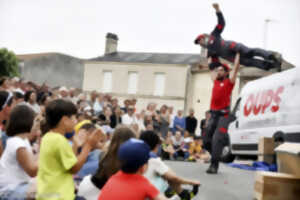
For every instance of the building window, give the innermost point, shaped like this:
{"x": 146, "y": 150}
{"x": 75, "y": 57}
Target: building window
{"x": 107, "y": 81}
{"x": 159, "y": 79}
{"x": 132, "y": 82}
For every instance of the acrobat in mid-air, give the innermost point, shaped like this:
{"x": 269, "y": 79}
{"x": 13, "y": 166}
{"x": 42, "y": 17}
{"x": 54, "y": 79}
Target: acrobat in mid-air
{"x": 251, "y": 57}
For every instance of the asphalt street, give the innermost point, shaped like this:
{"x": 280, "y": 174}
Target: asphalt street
{"x": 228, "y": 184}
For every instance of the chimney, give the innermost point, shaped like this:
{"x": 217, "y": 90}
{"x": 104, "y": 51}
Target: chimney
{"x": 111, "y": 43}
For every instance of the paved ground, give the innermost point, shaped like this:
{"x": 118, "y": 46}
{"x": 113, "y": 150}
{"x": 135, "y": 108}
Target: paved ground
{"x": 229, "y": 184}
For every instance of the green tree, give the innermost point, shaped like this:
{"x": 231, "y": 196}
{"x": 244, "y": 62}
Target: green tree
{"x": 8, "y": 63}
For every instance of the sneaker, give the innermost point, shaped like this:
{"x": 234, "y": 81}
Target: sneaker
{"x": 212, "y": 170}
{"x": 277, "y": 58}
{"x": 195, "y": 190}
{"x": 278, "y": 66}
{"x": 188, "y": 195}
{"x": 169, "y": 192}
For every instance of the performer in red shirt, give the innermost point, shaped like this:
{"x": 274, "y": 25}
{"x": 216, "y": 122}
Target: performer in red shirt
{"x": 216, "y": 136}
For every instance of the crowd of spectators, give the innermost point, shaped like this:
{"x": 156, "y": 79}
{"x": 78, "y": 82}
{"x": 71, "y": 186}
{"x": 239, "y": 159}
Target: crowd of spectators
{"x": 33, "y": 119}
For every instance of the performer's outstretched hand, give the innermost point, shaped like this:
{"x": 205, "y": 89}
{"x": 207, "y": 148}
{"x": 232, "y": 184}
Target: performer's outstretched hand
{"x": 216, "y": 7}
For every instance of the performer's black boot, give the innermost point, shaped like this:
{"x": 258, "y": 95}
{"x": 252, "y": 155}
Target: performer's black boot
{"x": 277, "y": 58}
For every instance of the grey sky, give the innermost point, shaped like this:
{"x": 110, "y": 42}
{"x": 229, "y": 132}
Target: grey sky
{"x": 78, "y": 27}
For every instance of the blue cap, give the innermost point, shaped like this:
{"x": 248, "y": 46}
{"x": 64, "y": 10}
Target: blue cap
{"x": 133, "y": 154}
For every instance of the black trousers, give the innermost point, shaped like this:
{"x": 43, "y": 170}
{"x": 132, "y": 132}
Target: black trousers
{"x": 216, "y": 135}
{"x": 248, "y": 57}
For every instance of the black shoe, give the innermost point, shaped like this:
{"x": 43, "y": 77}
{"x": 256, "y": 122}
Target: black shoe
{"x": 195, "y": 190}
{"x": 212, "y": 170}
{"x": 277, "y": 59}
{"x": 169, "y": 192}
{"x": 278, "y": 66}
{"x": 188, "y": 195}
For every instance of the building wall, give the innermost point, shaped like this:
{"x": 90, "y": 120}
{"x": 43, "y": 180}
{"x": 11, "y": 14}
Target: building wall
{"x": 54, "y": 70}
{"x": 174, "y": 82}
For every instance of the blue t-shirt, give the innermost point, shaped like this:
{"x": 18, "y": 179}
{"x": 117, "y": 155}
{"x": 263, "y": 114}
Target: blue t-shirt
{"x": 179, "y": 122}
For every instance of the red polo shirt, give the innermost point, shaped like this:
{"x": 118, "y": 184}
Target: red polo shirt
{"x": 128, "y": 187}
{"x": 221, "y": 94}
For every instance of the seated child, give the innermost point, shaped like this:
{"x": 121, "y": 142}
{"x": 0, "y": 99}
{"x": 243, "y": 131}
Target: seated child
{"x": 17, "y": 164}
{"x": 163, "y": 177}
{"x": 129, "y": 182}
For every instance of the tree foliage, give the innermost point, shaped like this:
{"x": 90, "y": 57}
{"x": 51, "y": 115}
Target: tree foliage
{"x": 8, "y": 63}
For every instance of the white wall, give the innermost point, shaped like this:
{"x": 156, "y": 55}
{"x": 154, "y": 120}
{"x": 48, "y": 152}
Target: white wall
{"x": 174, "y": 85}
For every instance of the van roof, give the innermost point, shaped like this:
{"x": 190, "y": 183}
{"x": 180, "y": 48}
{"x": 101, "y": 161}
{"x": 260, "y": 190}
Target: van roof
{"x": 274, "y": 80}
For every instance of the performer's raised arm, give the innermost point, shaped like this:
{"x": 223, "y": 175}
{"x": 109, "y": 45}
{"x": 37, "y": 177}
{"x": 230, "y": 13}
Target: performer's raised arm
{"x": 236, "y": 67}
{"x": 221, "y": 21}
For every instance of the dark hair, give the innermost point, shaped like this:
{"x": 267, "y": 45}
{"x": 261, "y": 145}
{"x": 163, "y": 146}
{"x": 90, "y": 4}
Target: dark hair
{"x": 102, "y": 117}
{"x": 129, "y": 170}
{"x": 79, "y": 114}
{"x": 27, "y": 95}
{"x": 150, "y": 138}
{"x": 196, "y": 137}
{"x": 214, "y": 65}
{"x": 2, "y": 80}
{"x": 43, "y": 98}
{"x": 18, "y": 95}
{"x": 88, "y": 126}
{"x": 20, "y": 120}
{"x": 58, "y": 108}
{"x": 110, "y": 164}
{"x": 44, "y": 127}
{"x": 3, "y": 99}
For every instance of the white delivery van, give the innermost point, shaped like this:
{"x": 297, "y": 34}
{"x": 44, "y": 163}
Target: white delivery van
{"x": 267, "y": 107}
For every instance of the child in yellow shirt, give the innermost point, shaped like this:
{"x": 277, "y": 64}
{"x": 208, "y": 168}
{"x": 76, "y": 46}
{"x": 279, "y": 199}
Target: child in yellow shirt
{"x": 57, "y": 160}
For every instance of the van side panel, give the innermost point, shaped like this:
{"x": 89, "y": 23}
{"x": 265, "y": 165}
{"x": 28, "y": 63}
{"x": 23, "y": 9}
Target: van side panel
{"x": 268, "y": 105}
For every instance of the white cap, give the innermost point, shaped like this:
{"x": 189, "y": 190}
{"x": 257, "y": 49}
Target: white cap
{"x": 19, "y": 90}
{"x": 63, "y": 88}
{"x": 87, "y": 108}
{"x": 188, "y": 140}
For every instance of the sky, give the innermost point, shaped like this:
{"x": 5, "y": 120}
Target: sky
{"x": 78, "y": 27}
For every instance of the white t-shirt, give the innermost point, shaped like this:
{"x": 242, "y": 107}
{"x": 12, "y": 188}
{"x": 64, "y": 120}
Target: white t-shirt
{"x": 128, "y": 120}
{"x": 156, "y": 169}
{"x": 87, "y": 189}
{"x": 177, "y": 142}
{"x": 11, "y": 172}
{"x": 172, "y": 117}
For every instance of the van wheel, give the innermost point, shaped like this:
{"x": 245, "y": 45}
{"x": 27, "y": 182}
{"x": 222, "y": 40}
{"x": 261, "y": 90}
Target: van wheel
{"x": 279, "y": 137}
{"x": 227, "y": 156}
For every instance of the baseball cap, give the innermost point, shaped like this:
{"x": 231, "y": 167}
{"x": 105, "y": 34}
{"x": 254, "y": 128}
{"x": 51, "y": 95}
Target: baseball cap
{"x": 133, "y": 154}
{"x": 199, "y": 37}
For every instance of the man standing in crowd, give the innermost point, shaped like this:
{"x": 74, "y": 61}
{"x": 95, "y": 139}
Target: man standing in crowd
{"x": 216, "y": 132}
{"x": 129, "y": 117}
{"x": 204, "y": 121}
{"x": 191, "y": 122}
{"x": 179, "y": 122}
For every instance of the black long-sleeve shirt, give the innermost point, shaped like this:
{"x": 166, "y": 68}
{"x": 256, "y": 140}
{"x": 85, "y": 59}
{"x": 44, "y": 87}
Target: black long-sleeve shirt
{"x": 217, "y": 47}
{"x": 191, "y": 124}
